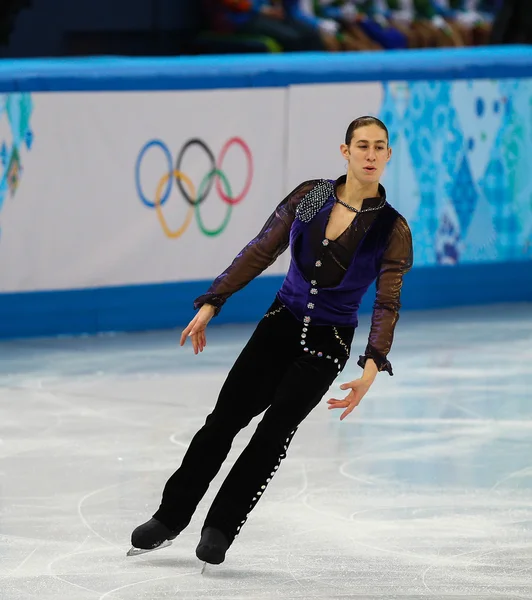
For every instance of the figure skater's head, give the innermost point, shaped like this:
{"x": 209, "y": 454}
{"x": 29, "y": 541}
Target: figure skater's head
{"x": 366, "y": 149}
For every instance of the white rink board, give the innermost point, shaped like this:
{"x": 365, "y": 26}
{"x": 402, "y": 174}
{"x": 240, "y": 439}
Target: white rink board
{"x": 77, "y": 220}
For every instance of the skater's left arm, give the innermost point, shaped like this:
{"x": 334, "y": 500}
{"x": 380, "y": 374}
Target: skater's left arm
{"x": 397, "y": 261}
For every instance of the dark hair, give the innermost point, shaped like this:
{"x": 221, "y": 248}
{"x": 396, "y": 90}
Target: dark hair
{"x": 363, "y": 122}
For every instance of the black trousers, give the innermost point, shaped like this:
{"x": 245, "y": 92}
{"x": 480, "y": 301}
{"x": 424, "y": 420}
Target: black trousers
{"x": 282, "y": 370}
{"x": 292, "y": 35}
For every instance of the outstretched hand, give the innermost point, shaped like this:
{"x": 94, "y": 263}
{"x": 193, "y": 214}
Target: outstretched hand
{"x": 195, "y": 330}
{"x": 358, "y": 389}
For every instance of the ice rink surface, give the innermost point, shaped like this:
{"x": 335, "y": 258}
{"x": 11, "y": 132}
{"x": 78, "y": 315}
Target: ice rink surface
{"x": 425, "y": 491}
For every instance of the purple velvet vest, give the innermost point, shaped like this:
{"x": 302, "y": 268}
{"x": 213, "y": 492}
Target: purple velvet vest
{"x": 336, "y": 305}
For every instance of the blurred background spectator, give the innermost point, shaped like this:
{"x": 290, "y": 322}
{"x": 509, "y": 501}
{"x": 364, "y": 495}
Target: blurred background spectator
{"x": 280, "y": 20}
{"x": 513, "y": 23}
{"x": 9, "y": 10}
{"x": 169, "y": 27}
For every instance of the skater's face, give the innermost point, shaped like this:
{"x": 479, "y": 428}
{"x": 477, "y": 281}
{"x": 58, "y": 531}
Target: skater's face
{"x": 367, "y": 153}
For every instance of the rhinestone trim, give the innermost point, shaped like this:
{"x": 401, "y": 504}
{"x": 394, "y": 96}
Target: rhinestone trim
{"x": 358, "y": 211}
{"x": 342, "y": 343}
{"x": 313, "y": 201}
{"x": 273, "y": 312}
{"x": 313, "y": 291}
{"x": 318, "y": 353}
{"x": 258, "y": 494}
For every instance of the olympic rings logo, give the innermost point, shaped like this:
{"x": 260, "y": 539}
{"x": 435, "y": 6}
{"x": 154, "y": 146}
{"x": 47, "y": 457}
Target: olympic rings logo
{"x": 215, "y": 177}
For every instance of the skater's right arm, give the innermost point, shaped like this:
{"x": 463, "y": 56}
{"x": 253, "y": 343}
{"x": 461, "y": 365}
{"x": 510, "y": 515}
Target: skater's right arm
{"x": 259, "y": 254}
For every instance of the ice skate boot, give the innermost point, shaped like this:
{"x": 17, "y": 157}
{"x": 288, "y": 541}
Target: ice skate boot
{"x": 151, "y": 536}
{"x": 212, "y": 547}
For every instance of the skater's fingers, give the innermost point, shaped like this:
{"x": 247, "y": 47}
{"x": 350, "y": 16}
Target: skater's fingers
{"x": 338, "y": 404}
{"x": 195, "y": 343}
{"x": 342, "y": 400}
{"x": 348, "y": 411}
{"x": 198, "y": 340}
{"x": 355, "y": 385}
{"x": 187, "y": 330}
{"x": 197, "y": 328}
{"x": 184, "y": 336}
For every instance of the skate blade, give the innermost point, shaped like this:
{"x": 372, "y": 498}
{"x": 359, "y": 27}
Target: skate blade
{"x": 139, "y": 551}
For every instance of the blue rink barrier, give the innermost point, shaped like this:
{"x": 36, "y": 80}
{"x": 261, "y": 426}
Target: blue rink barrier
{"x": 255, "y": 70}
{"x": 153, "y": 306}
{"x": 169, "y": 305}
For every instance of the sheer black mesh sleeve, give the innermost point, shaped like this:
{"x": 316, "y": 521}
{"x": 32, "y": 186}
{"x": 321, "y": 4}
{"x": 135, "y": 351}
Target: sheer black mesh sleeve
{"x": 259, "y": 254}
{"x": 397, "y": 261}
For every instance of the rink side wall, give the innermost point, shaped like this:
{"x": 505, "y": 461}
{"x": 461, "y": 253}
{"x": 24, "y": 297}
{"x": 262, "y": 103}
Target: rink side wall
{"x": 101, "y": 160}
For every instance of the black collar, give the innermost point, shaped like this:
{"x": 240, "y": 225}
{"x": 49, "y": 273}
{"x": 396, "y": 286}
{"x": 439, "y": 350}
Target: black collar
{"x": 368, "y": 202}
